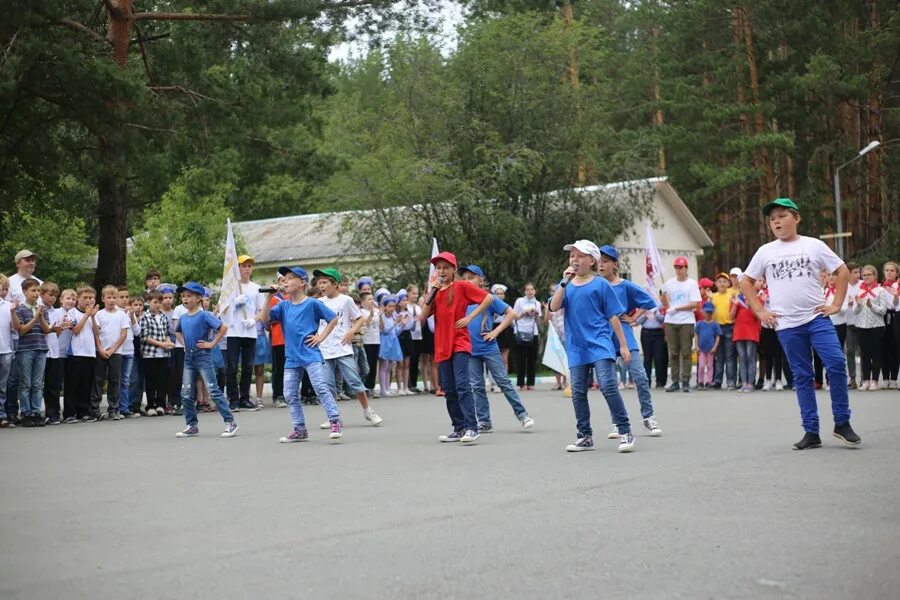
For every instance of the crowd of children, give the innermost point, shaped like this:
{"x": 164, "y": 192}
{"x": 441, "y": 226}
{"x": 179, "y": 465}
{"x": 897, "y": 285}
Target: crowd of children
{"x": 168, "y": 345}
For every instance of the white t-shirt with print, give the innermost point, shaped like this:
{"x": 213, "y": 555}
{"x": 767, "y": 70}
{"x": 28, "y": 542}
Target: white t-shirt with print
{"x": 791, "y": 270}
{"x": 680, "y": 293}
{"x": 347, "y": 311}
{"x": 850, "y": 302}
{"x": 111, "y": 324}
{"x": 133, "y": 330}
{"x": 528, "y": 322}
{"x": 371, "y": 334}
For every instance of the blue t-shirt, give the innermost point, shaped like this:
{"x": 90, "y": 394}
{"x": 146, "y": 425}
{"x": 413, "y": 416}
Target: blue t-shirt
{"x": 707, "y": 332}
{"x": 588, "y": 310}
{"x": 197, "y": 327}
{"x": 631, "y": 296}
{"x": 298, "y": 322}
{"x": 484, "y": 323}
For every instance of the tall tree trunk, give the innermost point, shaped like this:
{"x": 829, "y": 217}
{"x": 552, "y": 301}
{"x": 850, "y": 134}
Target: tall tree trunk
{"x": 567, "y": 14}
{"x": 876, "y": 193}
{"x": 764, "y": 162}
{"x": 111, "y": 213}
{"x": 658, "y": 120}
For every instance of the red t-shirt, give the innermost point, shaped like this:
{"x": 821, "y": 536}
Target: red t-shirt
{"x": 746, "y": 326}
{"x": 447, "y": 337}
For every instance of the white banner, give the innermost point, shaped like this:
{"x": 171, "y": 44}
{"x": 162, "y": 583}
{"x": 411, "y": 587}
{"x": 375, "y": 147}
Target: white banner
{"x": 555, "y": 353}
{"x": 654, "y": 266}
{"x": 231, "y": 274}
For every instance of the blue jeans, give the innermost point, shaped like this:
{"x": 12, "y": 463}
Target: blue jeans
{"x": 641, "y": 382}
{"x": 319, "y": 380}
{"x": 362, "y": 362}
{"x": 125, "y": 383}
{"x": 347, "y": 366}
{"x": 746, "y": 351}
{"x": 6, "y": 363}
{"x": 799, "y": 343}
{"x": 495, "y": 366}
{"x": 12, "y": 386}
{"x": 31, "y": 380}
{"x": 458, "y": 389}
{"x": 725, "y": 359}
{"x": 199, "y": 363}
{"x": 609, "y": 387}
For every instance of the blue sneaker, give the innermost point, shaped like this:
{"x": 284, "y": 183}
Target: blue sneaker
{"x": 452, "y": 437}
{"x": 585, "y": 442}
{"x": 485, "y": 428}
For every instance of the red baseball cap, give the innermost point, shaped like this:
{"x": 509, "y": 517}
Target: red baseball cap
{"x": 448, "y": 256}
{"x": 681, "y": 261}
{"x": 706, "y": 282}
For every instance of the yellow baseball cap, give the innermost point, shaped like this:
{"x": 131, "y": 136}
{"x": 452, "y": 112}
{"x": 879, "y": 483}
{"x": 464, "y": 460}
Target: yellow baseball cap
{"x": 244, "y": 258}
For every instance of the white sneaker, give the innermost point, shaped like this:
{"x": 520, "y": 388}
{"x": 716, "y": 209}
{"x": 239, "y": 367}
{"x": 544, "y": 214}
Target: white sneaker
{"x": 526, "y": 422}
{"x": 231, "y": 429}
{"x": 767, "y": 385}
{"x": 779, "y": 387}
{"x": 371, "y": 417}
{"x": 613, "y": 432}
{"x": 893, "y": 385}
{"x": 626, "y": 443}
{"x": 884, "y": 385}
{"x": 652, "y": 426}
{"x": 325, "y": 425}
{"x": 469, "y": 437}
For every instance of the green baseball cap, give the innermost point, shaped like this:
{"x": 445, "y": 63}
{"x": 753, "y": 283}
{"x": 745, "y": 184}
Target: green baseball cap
{"x": 329, "y": 272}
{"x": 782, "y": 202}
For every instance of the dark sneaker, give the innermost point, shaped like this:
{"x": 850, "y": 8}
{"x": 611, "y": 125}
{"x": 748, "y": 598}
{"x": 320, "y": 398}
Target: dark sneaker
{"x": 485, "y": 428}
{"x": 90, "y": 419}
{"x": 585, "y": 442}
{"x": 38, "y": 420}
{"x": 70, "y": 420}
{"x": 249, "y": 406}
{"x": 179, "y": 411}
{"x": 27, "y": 421}
{"x": 686, "y": 387}
{"x": 674, "y": 387}
{"x": 299, "y": 434}
{"x": 846, "y": 434}
{"x": 189, "y": 431}
{"x": 53, "y": 421}
{"x": 810, "y": 440}
{"x": 452, "y": 437}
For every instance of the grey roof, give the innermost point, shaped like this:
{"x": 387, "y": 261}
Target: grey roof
{"x": 317, "y": 237}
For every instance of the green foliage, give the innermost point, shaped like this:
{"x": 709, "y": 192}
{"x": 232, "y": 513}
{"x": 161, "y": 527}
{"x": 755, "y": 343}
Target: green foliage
{"x": 184, "y": 236}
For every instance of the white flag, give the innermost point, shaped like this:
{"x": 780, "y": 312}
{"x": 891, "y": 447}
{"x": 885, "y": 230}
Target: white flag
{"x": 654, "y": 266}
{"x": 231, "y": 274}
{"x": 555, "y": 353}
{"x": 434, "y": 252}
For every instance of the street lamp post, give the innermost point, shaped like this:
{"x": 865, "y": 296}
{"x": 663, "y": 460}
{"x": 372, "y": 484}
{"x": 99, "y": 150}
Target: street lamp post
{"x": 839, "y": 221}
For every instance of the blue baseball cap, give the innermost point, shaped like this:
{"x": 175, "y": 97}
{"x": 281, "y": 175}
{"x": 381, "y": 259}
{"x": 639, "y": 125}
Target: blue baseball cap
{"x": 609, "y": 251}
{"x": 192, "y": 287}
{"x": 298, "y": 271}
{"x": 474, "y": 269}
{"x": 708, "y": 307}
{"x": 165, "y": 288}
{"x": 207, "y": 292}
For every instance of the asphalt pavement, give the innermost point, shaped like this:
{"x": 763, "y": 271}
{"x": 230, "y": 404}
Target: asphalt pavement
{"x": 718, "y": 507}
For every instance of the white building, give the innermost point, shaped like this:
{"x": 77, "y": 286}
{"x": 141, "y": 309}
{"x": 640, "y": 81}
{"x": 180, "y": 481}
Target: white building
{"x": 314, "y": 241}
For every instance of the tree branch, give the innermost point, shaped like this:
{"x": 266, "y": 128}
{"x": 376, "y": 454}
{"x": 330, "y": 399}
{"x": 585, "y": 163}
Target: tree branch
{"x": 177, "y": 88}
{"x": 81, "y": 28}
{"x": 160, "y": 16}
{"x": 140, "y": 40}
{"x": 146, "y": 128}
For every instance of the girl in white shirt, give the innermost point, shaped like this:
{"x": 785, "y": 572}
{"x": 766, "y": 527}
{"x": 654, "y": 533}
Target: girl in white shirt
{"x": 870, "y": 306}
{"x": 528, "y": 309}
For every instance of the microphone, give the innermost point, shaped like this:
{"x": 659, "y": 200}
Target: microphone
{"x": 567, "y": 280}
{"x": 269, "y": 290}
{"x": 433, "y": 292}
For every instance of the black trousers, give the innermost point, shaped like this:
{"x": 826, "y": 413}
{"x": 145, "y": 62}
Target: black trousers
{"x": 870, "y": 351}
{"x": 241, "y": 351}
{"x": 414, "y": 364}
{"x": 771, "y": 348}
{"x": 526, "y": 361}
{"x": 890, "y": 361}
{"x": 653, "y": 345}
{"x": 54, "y": 373}
{"x": 107, "y": 370}
{"x": 372, "y": 359}
{"x": 176, "y": 370}
{"x": 278, "y": 372}
{"x": 156, "y": 381}
{"x": 79, "y": 380}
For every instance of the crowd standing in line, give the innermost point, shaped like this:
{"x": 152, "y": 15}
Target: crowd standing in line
{"x": 798, "y": 318}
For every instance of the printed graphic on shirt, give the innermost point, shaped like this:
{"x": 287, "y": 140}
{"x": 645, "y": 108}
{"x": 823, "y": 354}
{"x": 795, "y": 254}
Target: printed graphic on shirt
{"x": 792, "y": 266}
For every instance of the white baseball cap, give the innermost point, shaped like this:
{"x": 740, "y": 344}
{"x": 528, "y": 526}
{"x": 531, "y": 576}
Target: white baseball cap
{"x": 736, "y": 271}
{"x": 586, "y": 246}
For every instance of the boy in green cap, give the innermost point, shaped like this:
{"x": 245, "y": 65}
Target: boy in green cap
{"x": 790, "y": 265}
